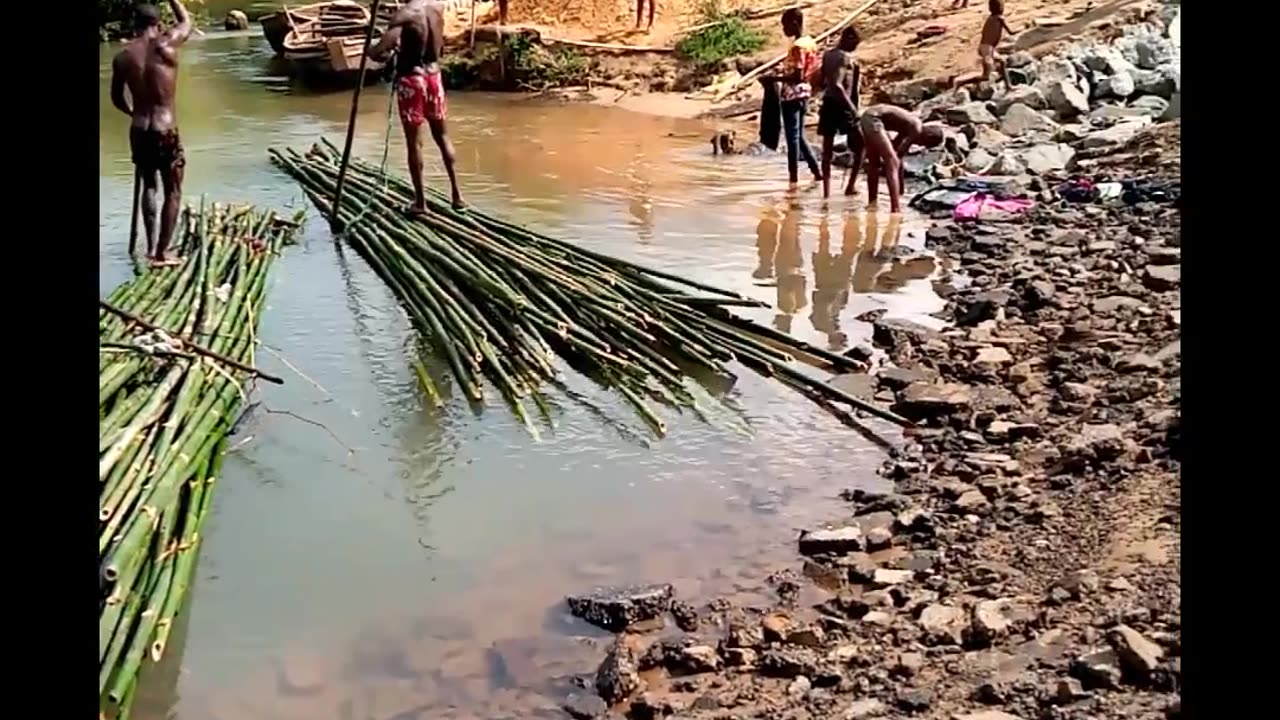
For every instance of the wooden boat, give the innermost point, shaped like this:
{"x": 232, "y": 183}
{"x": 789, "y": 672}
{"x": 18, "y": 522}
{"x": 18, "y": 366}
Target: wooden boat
{"x": 324, "y": 41}
{"x": 308, "y": 41}
{"x": 275, "y": 27}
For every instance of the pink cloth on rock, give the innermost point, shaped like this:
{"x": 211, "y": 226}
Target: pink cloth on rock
{"x": 978, "y": 205}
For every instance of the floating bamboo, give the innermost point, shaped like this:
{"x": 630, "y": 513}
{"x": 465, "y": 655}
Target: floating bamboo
{"x": 501, "y": 303}
{"x": 175, "y": 344}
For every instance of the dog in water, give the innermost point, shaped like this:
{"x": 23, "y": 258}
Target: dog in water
{"x": 725, "y": 142}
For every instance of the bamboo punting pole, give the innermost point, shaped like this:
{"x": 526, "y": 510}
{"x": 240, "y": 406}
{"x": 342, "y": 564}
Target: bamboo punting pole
{"x": 749, "y": 77}
{"x": 133, "y": 217}
{"x": 355, "y": 108}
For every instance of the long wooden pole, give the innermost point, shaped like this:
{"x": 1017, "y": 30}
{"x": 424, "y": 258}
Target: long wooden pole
{"x": 769, "y": 65}
{"x": 351, "y": 122}
{"x": 192, "y": 346}
{"x": 133, "y": 219}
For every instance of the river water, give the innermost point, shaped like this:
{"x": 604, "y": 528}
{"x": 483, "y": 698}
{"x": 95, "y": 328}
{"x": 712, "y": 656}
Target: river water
{"x": 368, "y": 557}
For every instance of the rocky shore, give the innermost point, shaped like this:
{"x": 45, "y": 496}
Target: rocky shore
{"x": 1026, "y": 565}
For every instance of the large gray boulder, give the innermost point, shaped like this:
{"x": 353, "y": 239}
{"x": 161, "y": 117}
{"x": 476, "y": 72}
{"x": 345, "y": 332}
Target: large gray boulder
{"x": 970, "y": 113}
{"x": 1120, "y": 85}
{"x": 1056, "y": 69}
{"x": 1066, "y": 98}
{"x": 1163, "y": 81}
{"x": 1021, "y": 120}
{"x": 1021, "y": 95}
{"x": 1038, "y": 159}
{"x": 1115, "y": 136}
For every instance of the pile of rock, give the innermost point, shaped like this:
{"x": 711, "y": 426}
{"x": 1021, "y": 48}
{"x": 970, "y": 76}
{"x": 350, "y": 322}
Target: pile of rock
{"x": 1088, "y": 100}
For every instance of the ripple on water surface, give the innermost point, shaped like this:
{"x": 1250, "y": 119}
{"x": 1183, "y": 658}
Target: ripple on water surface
{"x": 398, "y": 556}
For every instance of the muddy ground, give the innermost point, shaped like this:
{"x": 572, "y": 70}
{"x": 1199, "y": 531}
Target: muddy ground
{"x": 1026, "y": 564}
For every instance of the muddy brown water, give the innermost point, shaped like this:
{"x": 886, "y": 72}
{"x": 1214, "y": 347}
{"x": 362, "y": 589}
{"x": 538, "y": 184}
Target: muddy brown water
{"x": 407, "y": 560}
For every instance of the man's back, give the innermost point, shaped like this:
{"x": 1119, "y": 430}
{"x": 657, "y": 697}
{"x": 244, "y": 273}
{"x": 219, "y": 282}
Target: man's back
{"x": 421, "y": 24}
{"x": 149, "y": 67}
{"x": 837, "y": 72}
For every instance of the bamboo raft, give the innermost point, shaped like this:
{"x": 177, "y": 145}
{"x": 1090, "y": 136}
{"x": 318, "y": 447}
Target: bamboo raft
{"x": 502, "y": 304}
{"x": 176, "y": 353}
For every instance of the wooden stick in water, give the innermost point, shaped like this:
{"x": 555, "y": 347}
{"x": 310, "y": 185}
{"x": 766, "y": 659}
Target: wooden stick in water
{"x": 745, "y": 79}
{"x": 355, "y": 107}
{"x": 197, "y": 349}
{"x": 133, "y": 219}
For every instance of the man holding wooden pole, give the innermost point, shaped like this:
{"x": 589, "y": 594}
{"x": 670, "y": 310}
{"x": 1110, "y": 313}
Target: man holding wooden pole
{"x": 416, "y": 36}
{"x": 148, "y": 68}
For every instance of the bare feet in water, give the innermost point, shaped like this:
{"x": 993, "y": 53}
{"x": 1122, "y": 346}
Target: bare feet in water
{"x": 157, "y": 262}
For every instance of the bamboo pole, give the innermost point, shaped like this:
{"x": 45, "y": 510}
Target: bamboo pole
{"x": 749, "y": 77}
{"x": 133, "y": 218}
{"x": 473, "y": 24}
{"x": 355, "y": 108}
{"x": 195, "y": 348}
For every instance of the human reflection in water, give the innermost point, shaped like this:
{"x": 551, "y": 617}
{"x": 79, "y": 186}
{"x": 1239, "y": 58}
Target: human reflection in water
{"x": 901, "y": 270}
{"x": 831, "y": 278}
{"x": 789, "y": 267}
{"x": 868, "y": 264}
{"x": 641, "y": 208}
{"x": 766, "y": 245}
{"x": 878, "y": 269}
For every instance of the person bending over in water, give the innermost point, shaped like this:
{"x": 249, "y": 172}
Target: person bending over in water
{"x": 839, "y": 111}
{"x": 148, "y": 68}
{"x": 884, "y": 156}
{"x": 416, "y": 36}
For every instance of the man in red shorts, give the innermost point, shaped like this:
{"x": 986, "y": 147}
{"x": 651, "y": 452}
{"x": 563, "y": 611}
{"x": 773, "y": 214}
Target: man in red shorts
{"x": 416, "y": 36}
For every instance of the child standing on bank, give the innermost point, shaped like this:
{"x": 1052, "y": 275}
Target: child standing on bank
{"x": 993, "y": 30}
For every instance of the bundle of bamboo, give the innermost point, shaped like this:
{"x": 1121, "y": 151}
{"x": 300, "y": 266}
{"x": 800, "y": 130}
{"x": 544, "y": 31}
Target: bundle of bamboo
{"x": 176, "y": 349}
{"x": 499, "y": 301}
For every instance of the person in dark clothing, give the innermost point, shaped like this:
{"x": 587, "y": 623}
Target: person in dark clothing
{"x": 794, "y": 92}
{"x": 148, "y": 68}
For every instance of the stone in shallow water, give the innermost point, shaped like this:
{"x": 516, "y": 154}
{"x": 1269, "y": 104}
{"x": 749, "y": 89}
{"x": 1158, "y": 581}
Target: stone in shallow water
{"x": 836, "y": 540}
{"x": 616, "y": 608}
{"x": 585, "y": 707}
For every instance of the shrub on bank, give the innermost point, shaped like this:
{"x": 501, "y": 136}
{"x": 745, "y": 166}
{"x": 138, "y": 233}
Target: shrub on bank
{"x": 521, "y": 64}
{"x": 729, "y": 37}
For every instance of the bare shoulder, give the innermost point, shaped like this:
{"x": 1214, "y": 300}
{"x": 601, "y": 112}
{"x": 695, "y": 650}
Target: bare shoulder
{"x": 122, "y": 58}
{"x": 409, "y": 13}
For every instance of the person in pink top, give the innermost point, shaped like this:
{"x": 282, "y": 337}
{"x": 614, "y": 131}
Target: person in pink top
{"x": 794, "y": 91}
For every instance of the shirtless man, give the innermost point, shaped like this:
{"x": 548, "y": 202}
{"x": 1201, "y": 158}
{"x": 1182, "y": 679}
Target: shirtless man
{"x": 840, "y": 80}
{"x": 416, "y": 36}
{"x": 993, "y": 30}
{"x": 884, "y": 155}
{"x": 148, "y": 68}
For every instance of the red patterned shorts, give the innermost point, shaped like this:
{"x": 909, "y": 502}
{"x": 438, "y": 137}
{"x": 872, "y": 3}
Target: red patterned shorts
{"x": 421, "y": 98}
